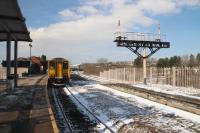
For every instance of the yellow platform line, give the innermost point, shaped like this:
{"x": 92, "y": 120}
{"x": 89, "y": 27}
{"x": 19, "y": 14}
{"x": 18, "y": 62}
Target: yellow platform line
{"x": 53, "y": 120}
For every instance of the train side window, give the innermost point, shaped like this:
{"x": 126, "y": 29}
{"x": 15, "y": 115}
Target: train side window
{"x": 52, "y": 65}
{"x": 65, "y": 65}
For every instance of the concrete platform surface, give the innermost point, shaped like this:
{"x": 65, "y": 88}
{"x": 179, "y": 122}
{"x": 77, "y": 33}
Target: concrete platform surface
{"x": 26, "y": 109}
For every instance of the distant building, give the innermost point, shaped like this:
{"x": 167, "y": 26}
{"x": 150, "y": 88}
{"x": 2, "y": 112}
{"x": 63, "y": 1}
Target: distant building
{"x": 25, "y": 63}
{"x": 36, "y": 64}
{"x": 36, "y": 60}
{"x": 22, "y": 62}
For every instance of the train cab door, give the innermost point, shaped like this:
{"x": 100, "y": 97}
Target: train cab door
{"x": 51, "y": 69}
{"x": 65, "y": 70}
{"x": 59, "y": 70}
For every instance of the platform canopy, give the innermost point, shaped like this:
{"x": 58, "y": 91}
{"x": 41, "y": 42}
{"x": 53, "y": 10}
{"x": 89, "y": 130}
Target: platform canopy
{"x": 13, "y": 22}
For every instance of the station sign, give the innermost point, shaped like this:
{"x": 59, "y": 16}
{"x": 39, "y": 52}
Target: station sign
{"x": 145, "y": 44}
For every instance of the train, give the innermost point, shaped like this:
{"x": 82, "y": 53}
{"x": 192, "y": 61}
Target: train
{"x": 58, "y": 71}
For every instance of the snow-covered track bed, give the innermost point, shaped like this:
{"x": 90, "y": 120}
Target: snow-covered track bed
{"x": 62, "y": 120}
{"x": 69, "y": 119}
{"x": 124, "y": 112}
{"x": 178, "y": 101}
{"x": 103, "y": 127}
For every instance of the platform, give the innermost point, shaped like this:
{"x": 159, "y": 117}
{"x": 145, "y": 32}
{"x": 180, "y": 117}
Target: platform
{"x": 31, "y": 111}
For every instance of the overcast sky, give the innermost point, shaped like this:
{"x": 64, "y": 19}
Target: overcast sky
{"x": 82, "y": 30}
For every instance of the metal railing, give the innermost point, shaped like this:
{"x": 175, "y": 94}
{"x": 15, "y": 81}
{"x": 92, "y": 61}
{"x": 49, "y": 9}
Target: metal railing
{"x": 137, "y": 36}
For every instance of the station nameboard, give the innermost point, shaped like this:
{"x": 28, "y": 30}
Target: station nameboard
{"x": 144, "y": 44}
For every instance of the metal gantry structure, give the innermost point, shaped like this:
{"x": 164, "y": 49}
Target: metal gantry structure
{"x": 144, "y": 45}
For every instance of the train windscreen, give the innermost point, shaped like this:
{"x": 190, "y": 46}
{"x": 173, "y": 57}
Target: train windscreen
{"x": 65, "y": 65}
{"x": 52, "y": 65}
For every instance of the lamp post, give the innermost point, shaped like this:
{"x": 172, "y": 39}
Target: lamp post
{"x": 30, "y": 59}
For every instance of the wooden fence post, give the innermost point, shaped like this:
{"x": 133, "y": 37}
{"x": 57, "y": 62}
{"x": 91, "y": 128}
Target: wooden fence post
{"x": 174, "y": 75}
{"x": 124, "y": 74}
{"x": 134, "y": 75}
{"x": 150, "y": 77}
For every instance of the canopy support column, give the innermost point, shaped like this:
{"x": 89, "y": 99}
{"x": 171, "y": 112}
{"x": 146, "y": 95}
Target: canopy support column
{"x": 144, "y": 67}
{"x": 15, "y": 63}
{"x": 8, "y": 56}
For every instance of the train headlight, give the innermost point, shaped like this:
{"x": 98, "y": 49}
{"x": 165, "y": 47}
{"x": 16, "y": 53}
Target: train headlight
{"x": 51, "y": 75}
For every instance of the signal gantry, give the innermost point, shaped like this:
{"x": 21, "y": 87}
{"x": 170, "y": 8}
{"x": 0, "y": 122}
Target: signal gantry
{"x": 143, "y": 45}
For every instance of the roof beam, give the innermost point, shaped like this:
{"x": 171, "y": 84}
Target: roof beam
{"x": 12, "y": 18}
{"x": 18, "y": 39}
{"x": 15, "y": 32}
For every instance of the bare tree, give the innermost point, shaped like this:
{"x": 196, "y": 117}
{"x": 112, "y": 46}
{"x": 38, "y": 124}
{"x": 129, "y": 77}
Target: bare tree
{"x": 185, "y": 60}
{"x": 102, "y": 60}
{"x": 198, "y": 59}
{"x": 192, "y": 61}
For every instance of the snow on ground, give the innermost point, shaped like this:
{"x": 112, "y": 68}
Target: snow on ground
{"x": 189, "y": 92}
{"x": 117, "y": 108}
{"x": 183, "y": 91}
{"x": 93, "y": 77}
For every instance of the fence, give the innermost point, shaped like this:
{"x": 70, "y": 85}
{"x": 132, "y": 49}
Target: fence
{"x": 130, "y": 75}
{"x": 184, "y": 77}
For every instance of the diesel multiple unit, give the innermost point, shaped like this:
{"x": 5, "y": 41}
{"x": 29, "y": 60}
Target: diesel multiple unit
{"x": 58, "y": 71}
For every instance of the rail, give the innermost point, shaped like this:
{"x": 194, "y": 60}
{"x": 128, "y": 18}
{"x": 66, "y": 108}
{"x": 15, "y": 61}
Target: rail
{"x": 68, "y": 122}
{"x": 57, "y": 102}
{"x": 111, "y": 130}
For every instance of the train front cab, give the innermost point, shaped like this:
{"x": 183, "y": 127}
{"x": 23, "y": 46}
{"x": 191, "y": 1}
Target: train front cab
{"x": 59, "y": 72}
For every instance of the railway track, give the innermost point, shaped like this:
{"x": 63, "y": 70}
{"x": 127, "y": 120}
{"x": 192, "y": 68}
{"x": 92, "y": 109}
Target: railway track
{"x": 181, "y": 102}
{"x": 92, "y": 115}
{"x": 69, "y": 119}
{"x": 64, "y": 124}
{"x": 73, "y": 120}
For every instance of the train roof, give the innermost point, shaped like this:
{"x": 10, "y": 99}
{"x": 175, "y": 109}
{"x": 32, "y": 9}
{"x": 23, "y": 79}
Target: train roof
{"x": 59, "y": 59}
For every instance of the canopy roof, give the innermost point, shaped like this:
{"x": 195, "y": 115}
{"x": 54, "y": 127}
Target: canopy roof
{"x": 13, "y": 22}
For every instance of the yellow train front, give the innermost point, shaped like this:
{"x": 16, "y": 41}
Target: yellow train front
{"x": 58, "y": 71}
